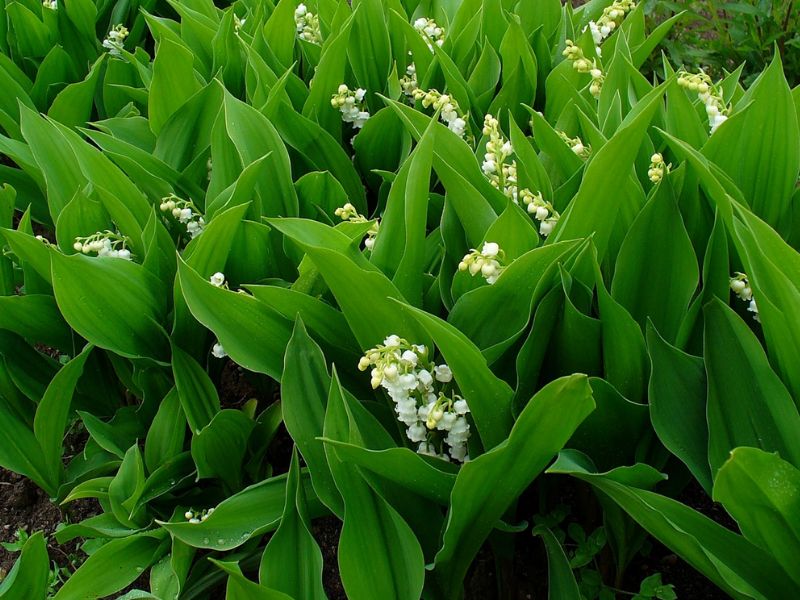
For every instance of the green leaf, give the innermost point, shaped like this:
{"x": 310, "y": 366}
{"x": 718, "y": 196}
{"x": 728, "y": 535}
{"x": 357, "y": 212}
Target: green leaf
{"x": 399, "y": 249}
{"x": 761, "y": 152}
{"x": 252, "y": 334}
{"x": 219, "y": 448}
{"x": 292, "y": 561}
{"x": 379, "y": 556}
{"x": 115, "y": 304}
{"x": 595, "y": 208}
{"x": 677, "y": 394}
{"x": 253, "y": 511}
{"x": 54, "y": 409}
{"x": 560, "y": 579}
{"x": 111, "y": 568}
{"x": 762, "y": 492}
{"x": 487, "y": 485}
{"x": 198, "y": 395}
{"x": 166, "y": 434}
{"x": 657, "y": 286}
{"x": 304, "y": 396}
{"x": 363, "y": 293}
{"x": 173, "y": 82}
{"x": 489, "y": 397}
{"x": 748, "y": 404}
{"x": 29, "y": 576}
{"x": 731, "y": 562}
{"x": 36, "y": 318}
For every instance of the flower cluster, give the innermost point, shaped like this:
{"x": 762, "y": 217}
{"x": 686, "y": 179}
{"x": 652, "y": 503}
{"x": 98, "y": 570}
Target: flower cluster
{"x": 307, "y": 24}
{"x": 583, "y": 65}
{"x": 194, "y": 516}
{"x": 186, "y": 212}
{"x": 115, "y": 39}
{"x": 408, "y": 82}
{"x": 484, "y": 262}
{"x": 716, "y": 109}
{"x": 104, "y": 243}
{"x": 430, "y": 32}
{"x": 658, "y": 168}
{"x": 350, "y": 104}
{"x": 610, "y": 19}
{"x": 741, "y": 287}
{"x": 501, "y": 174}
{"x": 50, "y": 4}
{"x": 348, "y": 212}
{"x": 418, "y": 386}
{"x": 542, "y": 211}
{"x": 576, "y": 145}
{"x": 450, "y": 113}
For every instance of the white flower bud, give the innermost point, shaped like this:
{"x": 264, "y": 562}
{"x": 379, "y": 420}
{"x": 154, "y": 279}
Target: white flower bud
{"x": 443, "y": 373}
{"x": 217, "y": 279}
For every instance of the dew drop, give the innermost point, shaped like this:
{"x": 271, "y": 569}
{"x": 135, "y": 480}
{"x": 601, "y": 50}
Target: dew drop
{"x": 206, "y": 540}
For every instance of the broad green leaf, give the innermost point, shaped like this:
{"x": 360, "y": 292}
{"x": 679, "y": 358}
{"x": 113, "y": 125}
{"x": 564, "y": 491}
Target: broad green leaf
{"x": 487, "y": 486}
{"x": 252, "y": 334}
{"x": 219, "y": 448}
{"x": 253, "y": 511}
{"x": 738, "y": 567}
{"x": 304, "y": 395}
{"x": 561, "y": 584}
{"x": 762, "y": 492}
{"x": 36, "y": 318}
{"x": 166, "y": 434}
{"x": 173, "y": 82}
{"x": 379, "y": 556}
{"x": 111, "y": 568}
{"x": 677, "y": 394}
{"x": 761, "y": 153}
{"x": 489, "y": 397}
{"x": 657, "y": 286}
{"x": 292, "y": 561}
{"x": 114, "y": 303}
{"x": 54, "y": 409}
{"x": 29, "y": 576}
{"x": 748, "y": 404}
{"x": 363, "y": 293}
{"x": 596, "y": 206}
{"x": 432, "y": 479}
{"x": 399, "y": 249}
{"x": 197, "y": 393}
{"x": 493, "y": 316}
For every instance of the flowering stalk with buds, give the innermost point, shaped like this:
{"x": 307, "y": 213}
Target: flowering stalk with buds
{"x": 583, "y": 65}
{"x": 307, "y": 24}
{"x": 486, "y": 262}
{"x": 115, "y": 39}
{"x": 430, "y": 32}
{"x": 610, "y": 19}
{"x": 348, "y": 212}
{"x": 740, "y": 285}
{"x": 104, "y": 243}
{"x": 708, "y": 94}
{"x": 575, "y": 144}
{"x": 351, "y": 105}
{"x": 425, "y": 402}
{"x": 185, "y": 212}
{"x": 451, "y": 115}
{"x": 658, "y": 168}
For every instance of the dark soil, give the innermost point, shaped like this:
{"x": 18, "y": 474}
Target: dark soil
{"x": 326, "y": 531}
{"x": 23, "y": 506}
{"x": 234, "y": 388}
